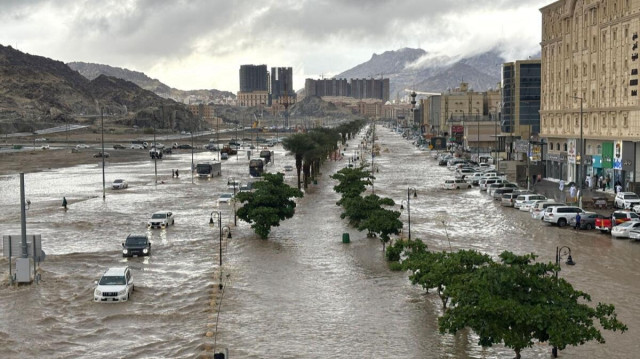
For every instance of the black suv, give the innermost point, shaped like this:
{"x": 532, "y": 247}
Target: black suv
{"x": 138, "y": 245}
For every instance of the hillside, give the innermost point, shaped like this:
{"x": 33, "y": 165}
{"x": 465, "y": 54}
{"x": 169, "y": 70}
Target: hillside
{"x": 419, "y": 70}
{"x": 38, "y": 92}
{"x": 92, "y": 71}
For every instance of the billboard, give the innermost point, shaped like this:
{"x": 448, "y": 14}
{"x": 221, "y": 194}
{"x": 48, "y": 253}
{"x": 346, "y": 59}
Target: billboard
{"x": 438, "y": 143}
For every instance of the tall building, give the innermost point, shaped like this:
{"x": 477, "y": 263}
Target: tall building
{"x": 521, "y": 98}
{"x": 254, "y": 78}
{"x": 254, "y": 85}
{"x": 282, "y": 84}
{"x": 589, "y": 106}
{"x": 356, "y": 88}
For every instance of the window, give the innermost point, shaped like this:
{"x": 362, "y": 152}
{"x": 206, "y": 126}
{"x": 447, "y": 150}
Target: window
{"x": 551, "y": 145}
{"x": 558, "y": 146}
{"x": 565, "y": 147}
{"x": 625, "y": 122}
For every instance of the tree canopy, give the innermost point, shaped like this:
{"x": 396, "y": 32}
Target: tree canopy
{"x": 269, "y": 203}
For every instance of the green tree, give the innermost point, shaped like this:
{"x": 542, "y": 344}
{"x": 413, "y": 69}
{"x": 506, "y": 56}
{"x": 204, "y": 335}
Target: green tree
{"x": 357, "y": 208}
{"x": 517, "y": 302}
{"x": 382, "y": 222}
{"x": 440, "y": 269}
{"x": 352, "y": 182}
{"x": 270, "y": 203}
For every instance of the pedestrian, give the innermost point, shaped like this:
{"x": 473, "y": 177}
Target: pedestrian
{"x": 618, "y": 186}
{"x": 587, "y": 181}
{"x": 64, "y": 203}
{"x": 173, "y": 173}
{"x": 593, "y": 182}
{"x": 561, "y": 186}
{"x": 572, "y": 192}
{"x": 177, "y": 175}
{"x": 602, "y": 183}
{"x": 577, "y": 221}
{"x": 539, "y": 178}
{"x": 607, "y": 182}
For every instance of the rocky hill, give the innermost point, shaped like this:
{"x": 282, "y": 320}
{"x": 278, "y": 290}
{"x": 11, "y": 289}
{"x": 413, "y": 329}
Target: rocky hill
{"x": 38, "y": 92}
{"x": 92, "y": 71}
{"x": 419, "y": 70}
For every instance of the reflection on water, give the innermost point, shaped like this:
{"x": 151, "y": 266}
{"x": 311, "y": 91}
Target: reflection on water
{"x": 299, "y": 294}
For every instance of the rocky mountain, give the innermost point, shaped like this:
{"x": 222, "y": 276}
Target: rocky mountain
{"x": 416, "y": 69}
{"x": 92, "y": 71}
{"x": 37, "y": 92}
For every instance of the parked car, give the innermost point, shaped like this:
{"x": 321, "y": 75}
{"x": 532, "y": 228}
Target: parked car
{"x": 587, "y": 220}
{"x": 161, "y": 219}
{"x": 484, "y": 184}
{"x": 115, "y": 285}
{"x": 508, "y": 199}
{"x": 634, "y": 234}
{"x": 499, "y": 192}
{"x": 527, "y": 197}
{"x": 81, "y": 146}
{"x": 225, "y": 198}
{"x": 605, "y": 224}
{"x": 136, "y": 245}
{"x": 455, "y": 184}
{"x": 119, "y": 184}
{"x": 224, "y": 156}
{"x": 561, "y": 215}
{"x": 100, "y": 155}
{"x": 626, "y": 200}
{"x": 137, "y": 146}
{"x": 288, "y": 168}
{"x": 495, "y": 186}
{"x": 184, "y": 147}
{"x": 118, "y": 146}
{"x": 537, "y": 212}
{"x": 622, "y": 230}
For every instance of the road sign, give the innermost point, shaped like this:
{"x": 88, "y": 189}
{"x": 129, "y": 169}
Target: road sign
{"x": 13, "y": 245}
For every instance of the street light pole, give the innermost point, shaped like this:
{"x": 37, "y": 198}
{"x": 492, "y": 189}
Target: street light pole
{"x": 478, "y": 134}
{"x": 415, "y": 194}
{"x": 104, "y": 195}
{"x": 559, "y": 255}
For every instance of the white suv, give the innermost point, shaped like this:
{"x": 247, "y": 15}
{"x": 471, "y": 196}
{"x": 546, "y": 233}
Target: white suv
{"x": 115, "y": 285}
{"x": 626, "y": 200}
{"x": 561, "y": 215}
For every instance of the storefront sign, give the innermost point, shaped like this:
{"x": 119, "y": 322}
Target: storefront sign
{"x": 607, "y": 155}
{"x": 457, "y": 129}
{"x": 571, "y": 153}
{"x": 617, "y": 155}
{"x": 521, "y": 146}
{"x": 536, "y": 154}
{"x": 597, "y": 161}
{"x": 557, "y": 157}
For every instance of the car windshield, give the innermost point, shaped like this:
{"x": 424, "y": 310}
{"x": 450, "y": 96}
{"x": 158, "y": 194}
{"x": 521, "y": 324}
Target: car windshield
{"x": 113, "y": 280}
{"x": 159, "y": 216}
{"x": 136, "y": 241}
{"x": 117, "y": 181}
{"x": 625, "y": 224}
{"x": 631, "y": 196}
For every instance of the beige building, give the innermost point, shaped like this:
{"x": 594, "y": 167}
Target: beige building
{"x": 590, "y": 87}
{"x": 253, "y": 98}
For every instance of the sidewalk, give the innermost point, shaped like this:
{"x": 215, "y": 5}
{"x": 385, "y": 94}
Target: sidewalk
{"x": 551, "y": 189}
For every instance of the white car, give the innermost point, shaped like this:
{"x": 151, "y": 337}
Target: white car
{"x": 137, "y": 146}
{"x": 161, "y": 219}
{"x": 119, "y": 184}
{"x": 225, "y": 198}
{"x": 626, "y": 200}
{"x": 635, "y": 234}
{"x": 455, "y": 184}
{"x": 115, "y": 285}
{"x": 561, "y": 215}
{"x": 288, "y": 168}
{"x": 81, "y": 146}
{"x": 623, "y": 229}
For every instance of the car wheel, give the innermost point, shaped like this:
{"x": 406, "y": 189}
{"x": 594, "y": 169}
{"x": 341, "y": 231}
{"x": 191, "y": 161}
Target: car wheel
{"x": 588, "y": 226}
{"x": 562, "y": 222}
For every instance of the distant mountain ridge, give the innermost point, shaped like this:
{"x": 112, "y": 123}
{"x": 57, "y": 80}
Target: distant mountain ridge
{"x": 416, "y": 69}
{"x": 91, "y": 71}
{"x": 36, "y": 91}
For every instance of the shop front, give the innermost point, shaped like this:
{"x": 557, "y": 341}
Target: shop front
{"x": 607, "y": 163}
{"x": 556, "y": 165}
{"x": 627, "y": 160}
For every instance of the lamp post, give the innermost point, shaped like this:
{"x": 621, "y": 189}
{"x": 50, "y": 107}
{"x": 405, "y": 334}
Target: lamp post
{"x": 221, "y": 229}
{"x": 235, "y": 217}
{"x": 478, "y": 134}
{"x": 561, "y": 252}
{"x": 581, "y": 147}
{"x": 415, "y": 194}
{"x": 104, "y": 195}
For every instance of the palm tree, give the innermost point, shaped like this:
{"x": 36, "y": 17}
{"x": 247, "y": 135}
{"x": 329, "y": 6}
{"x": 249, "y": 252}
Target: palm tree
{"x": 298, "y": 144}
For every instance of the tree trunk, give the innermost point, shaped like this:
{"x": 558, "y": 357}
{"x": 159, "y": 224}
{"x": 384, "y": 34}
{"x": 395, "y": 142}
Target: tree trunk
{"x": 517, "y": 353}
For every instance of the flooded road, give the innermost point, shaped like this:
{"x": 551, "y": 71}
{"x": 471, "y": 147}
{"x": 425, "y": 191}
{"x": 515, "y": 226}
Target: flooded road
{"x": 299, "y": 294}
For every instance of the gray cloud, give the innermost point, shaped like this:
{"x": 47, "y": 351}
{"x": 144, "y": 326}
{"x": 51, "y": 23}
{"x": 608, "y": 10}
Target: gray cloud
{"x": 143, "y": 33}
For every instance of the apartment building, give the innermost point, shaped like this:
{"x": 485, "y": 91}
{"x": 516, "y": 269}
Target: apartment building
{"x": 589, "y": 100}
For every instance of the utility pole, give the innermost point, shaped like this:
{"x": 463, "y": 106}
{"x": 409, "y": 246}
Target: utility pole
{"x": 104, "y": 195}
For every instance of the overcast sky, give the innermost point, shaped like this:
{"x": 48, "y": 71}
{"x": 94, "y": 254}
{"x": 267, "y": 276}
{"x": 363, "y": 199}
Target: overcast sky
{"x": 197, "y": 44}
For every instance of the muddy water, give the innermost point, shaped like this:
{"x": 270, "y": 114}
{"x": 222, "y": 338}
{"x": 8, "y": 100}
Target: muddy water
{"x": 300, "y": 294}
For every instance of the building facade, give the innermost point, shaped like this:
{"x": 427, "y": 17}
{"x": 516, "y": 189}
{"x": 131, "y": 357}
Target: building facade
{"x": 589, "y": 105}
{"x": 282, "y": 85}
{"x": 356, "y": 88}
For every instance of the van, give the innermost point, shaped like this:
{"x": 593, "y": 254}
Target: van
{"x": 527, "y": 197}
{"x": 499, "y": 192}
{"x": 508, "y": 199}
{"x": 561, "y": 215}
{"x": 487, "y": 183}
